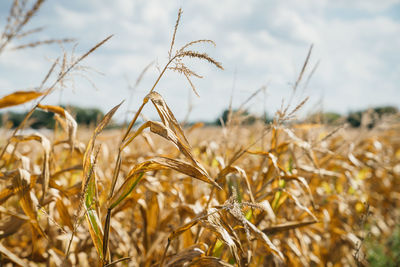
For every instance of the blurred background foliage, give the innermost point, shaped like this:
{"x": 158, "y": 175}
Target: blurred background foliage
{"x": 91, "y": 116}
{"x": 42, "y": 119}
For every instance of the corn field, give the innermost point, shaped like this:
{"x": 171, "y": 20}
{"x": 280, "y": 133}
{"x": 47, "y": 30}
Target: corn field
{"x": 160, "y": 194}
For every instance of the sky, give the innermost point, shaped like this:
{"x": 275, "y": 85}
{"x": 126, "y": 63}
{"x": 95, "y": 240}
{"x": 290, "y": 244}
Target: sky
{"x": 356, "y": 45}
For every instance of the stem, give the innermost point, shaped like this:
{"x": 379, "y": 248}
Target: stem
{"x": 106, "y": 235}
{"x": 116, "y": 172}
{"x": 207, "y": 206}
{"x": 118, "y": 163}
{"x": 119, "y": 159}
{"x": 165, "y": 253}
{"x": 50, "y": 89}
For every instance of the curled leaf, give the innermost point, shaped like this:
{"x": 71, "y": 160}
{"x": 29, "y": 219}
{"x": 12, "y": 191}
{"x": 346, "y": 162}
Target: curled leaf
{"x": 159, "y": 163}
{"x": 46, "y": 159}
{"x": 70, "y": 125}
{"x": 18, "y": 98}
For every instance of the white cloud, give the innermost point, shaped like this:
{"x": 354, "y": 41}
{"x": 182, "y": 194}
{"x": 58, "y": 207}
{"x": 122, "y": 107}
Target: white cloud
{"x": 264, "y": 41}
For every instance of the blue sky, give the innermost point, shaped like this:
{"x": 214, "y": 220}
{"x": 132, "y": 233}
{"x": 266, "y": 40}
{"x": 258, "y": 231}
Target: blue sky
{"x": 258, "y": 42}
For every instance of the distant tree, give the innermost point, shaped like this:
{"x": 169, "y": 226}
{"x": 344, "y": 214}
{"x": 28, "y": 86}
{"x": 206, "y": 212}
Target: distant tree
{"x": 87, "y": 116}
{"x": 223, "y": 117}
{"x": 386, "y": 110}
{"x": 248, "y": 118}
{"x": 355, "y": 119}
{"x": 42, "y": 119}
{"x": 324, "y": 117}
{"x": 15, "y": 118}
{"x": 267, "y": 119}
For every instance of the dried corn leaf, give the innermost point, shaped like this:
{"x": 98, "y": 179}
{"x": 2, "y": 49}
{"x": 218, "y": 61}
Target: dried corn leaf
{"x": 26, "y": 200}
{"x": 64, "y": 214}
{"x": 70, "y": 125}
{"x": 10, "y": 226}
{"x": 186, "y": 255}
{"x": 165, "y": 132}
{"x": 166, "y": 115}
{"x": 304, "y": 145}
{"x": 286, "y": 226}
{"x": 46, "y": 159}
{"x": 298, "y": 204}
{"x": 16, "y": 187}
{"x": 14, "y": 258}
{"x": 125, "y": 189}
{"x": 262, "y": 236}
{"x": 195, "y": 126}
{"x": 6, "y": 193}
{"x": 266, "y": 206}
{"x": 132, "y": 136}
{"x": 303, "y": 181}
{"x": 271, "y": 156}
{"x": 159, "y": 163}
{"x": 210, "y": 262}
{"x": 180, "y": 230}
{"x": 242, "y": 173}
{"x": 92, "y": 217}
{"x": 18, "y": 97}
{"x": 217, "y": 226}
{"x": 160, "y": 129}
{"x": 89, "y": 148}
{"x": 55, "y": 109}
{"x": 190, "y": 224}
{"x": 89, "y": 186}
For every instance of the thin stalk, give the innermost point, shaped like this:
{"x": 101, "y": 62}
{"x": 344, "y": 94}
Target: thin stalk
{"x": 119, "y": 159}
{"x": 49, "y": 90}
{"x": 105, "y": 237}
{"x": 165, "y": 253}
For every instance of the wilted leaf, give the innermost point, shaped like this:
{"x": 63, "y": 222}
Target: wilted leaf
{"x": 89, "y": 148}
{"x": 14, "y": 258}
{"x": 125, "y": 189}
{"x": 229, "y": 169}
{"x": 210, "y": 262}
{"x": 92, "y": 217}
{"x": 89, "y": 186}
{"x": 46, "y": 158}
{"x": 303, "y": 181}
{"x": 159, "y": 163}
{"x": 10, "y": 226}
{"x": 70, "y": 125}
{"x": 18, "y": 98}
{"x": 301, "y": 206}
{"x": 26, "y": 201}
{"x": 64, "y": 215}
{"x": 262, "y": 236}
{"x": 186, "y": 255}
{"x": 55, "y": 109}
{"x": 217, "y": 226}
{"x": 286, "y": 226}
{"x": 167, "y": 116}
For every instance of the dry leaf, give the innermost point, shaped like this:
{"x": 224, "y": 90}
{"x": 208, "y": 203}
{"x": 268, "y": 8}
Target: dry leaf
{"x": 18, "y": 97}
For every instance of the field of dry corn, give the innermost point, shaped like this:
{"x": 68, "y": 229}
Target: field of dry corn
{"x": 296, "y": 197}
{"x": 160, "y": 194}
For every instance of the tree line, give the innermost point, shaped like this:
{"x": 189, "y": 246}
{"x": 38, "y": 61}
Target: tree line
{"x": 354, "y": 118}
{"x": 43, "y": 119}
{"x": 92, "y": 116}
